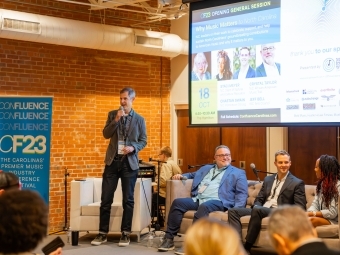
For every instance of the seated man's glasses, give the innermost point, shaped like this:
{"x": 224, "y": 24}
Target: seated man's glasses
{"x": 223, "y": 155}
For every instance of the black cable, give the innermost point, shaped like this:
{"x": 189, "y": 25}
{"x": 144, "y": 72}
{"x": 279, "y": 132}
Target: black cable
{"x": 147, "y": 203}
{"x": 157, "y": 225}
{"x": 65, "y": 228}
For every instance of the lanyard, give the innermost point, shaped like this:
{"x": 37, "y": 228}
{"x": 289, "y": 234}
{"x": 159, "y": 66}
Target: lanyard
{"x": 214, "y": 176}
{"x": 277, "y": 185}
{"x": 123, "y": 122}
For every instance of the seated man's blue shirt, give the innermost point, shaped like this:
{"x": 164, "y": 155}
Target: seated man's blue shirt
{"x": 213, "y": 181}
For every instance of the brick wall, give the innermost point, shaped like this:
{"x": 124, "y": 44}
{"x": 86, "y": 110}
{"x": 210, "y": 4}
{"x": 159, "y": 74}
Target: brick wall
{"x": 85, "y": 85}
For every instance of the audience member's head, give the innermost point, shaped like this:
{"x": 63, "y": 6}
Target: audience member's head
{"x": 327, "y": 171}
{"x": 23, "y": 221}
{"x": 209, "y": 236}
{"x": 166, "y": 151}
{"x": 288, "y": 228}
{"x": 8, "y": 181}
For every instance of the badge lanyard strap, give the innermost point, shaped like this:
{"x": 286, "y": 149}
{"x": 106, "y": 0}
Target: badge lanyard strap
{"x": 214, "y": 176}
{"x": 123, "y": 126}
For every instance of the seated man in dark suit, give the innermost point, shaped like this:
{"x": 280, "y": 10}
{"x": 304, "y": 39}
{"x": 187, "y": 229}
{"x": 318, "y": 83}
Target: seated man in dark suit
{"x": 292, "y": 233}
{"x": 277, "y": 189}
{"x": 216, "y": 187}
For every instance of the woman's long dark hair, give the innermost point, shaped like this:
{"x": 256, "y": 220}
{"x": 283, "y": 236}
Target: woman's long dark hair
{"x": 330, "y": 174}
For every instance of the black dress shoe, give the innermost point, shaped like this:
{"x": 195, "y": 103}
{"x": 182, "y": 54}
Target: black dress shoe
{"x": 167, "y": 245}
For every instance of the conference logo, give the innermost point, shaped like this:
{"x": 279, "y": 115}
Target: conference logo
{"x": 308, "y": 91}
{"x": 292, "y": 100}
{"x": 292, "y": 107}
{"x": 309, "y": 106}
{"x": 328, "y": 90}
{"x": 328, "y": 98}
{"x": 328, "y": 105}
{"x": 328, "y": 64}
{"x": 310, "y": 98}
{"x": 205, "y": 15}
{"x": 293, "y": 91}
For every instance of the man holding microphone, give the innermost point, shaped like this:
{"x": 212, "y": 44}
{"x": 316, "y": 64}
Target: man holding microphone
{"x": 126, "y": 130}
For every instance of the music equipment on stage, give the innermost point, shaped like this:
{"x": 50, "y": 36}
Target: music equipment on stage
{"x": 147, "y": 170}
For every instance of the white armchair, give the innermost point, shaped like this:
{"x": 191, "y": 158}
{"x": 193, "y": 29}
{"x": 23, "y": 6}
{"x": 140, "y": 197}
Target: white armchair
{"x": 85, "y": 203}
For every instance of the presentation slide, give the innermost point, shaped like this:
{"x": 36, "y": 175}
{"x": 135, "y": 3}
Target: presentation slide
{"x": 266, "y": 63}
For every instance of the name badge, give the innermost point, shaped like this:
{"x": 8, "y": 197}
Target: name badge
{"x": 203, "y": 188}
{"x": 121, "y": 145}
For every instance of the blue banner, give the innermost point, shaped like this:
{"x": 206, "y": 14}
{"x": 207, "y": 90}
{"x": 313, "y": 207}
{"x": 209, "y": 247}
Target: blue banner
{"x": 25, "y": 135}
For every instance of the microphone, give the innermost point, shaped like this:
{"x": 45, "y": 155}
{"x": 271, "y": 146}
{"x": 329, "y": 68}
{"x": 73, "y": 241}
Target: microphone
{"x": 183, "y": 178}
{"x": 252, "y": 165}
{"x": 121, "y": 108}
{"x": 189, "y": 166}
{"x": 155, "y": 160}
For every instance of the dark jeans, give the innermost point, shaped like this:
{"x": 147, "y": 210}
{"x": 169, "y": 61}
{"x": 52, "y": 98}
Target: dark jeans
{"x": 181, "y": 205}
{"x": 118, "y": 169}
{"x": 254, "y": 226}
{"x": 155, "y": 209}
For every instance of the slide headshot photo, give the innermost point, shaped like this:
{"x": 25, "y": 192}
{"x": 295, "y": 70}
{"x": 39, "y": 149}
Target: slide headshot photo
{"x": 200, "y": 67}
{"x": 221, "y": 65}
{"x": 269, "y": 66}
{"x": 244, "y": 62}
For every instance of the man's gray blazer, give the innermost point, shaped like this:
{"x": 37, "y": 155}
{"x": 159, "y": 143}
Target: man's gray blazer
{"x": 136, "y": 137}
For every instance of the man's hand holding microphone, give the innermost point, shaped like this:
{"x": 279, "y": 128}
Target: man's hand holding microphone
{"x": 179, "y": 177}
{"x": 119, "y": 115}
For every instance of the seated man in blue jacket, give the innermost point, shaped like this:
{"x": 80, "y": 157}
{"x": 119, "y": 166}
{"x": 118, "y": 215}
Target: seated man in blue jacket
{"x": 215, "y": 187}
